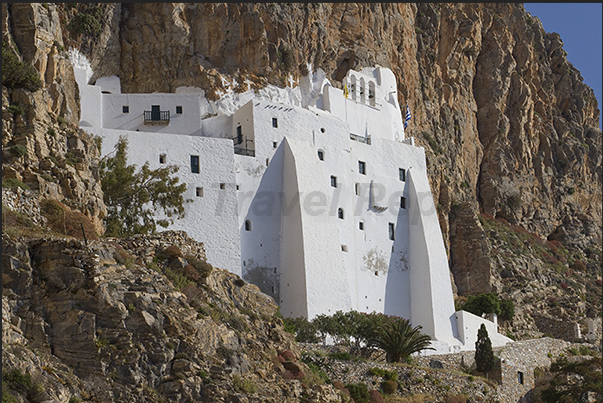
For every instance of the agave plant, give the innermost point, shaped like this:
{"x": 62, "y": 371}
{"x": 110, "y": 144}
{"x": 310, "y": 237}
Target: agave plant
{"x": 398, "y": 339}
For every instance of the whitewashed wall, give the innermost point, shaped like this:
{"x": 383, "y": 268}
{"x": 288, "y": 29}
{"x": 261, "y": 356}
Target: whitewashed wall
{"x": 468, "y": 325}
{"x": 211, "y": 219}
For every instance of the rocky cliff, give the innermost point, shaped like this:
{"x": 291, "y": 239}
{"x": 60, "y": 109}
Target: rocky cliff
{"x": 510, "y": 129}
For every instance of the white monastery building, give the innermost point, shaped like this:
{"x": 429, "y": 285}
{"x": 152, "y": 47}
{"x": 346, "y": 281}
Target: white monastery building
{"x": 323, "y": 203}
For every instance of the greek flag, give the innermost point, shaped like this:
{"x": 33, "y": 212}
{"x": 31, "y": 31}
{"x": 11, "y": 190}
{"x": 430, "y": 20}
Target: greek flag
{"x": 407, "y": 116}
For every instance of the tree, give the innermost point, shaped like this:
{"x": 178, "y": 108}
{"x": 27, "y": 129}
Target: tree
{"x": 507, "y": 309}
{"x": 134, "y": 198}
{"x": 482, "y": 303}
{"x": 399, "y": 340}
{"x": 484, "y": 356}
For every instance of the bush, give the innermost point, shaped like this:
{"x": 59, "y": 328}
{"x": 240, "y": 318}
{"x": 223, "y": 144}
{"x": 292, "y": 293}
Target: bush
{"x": 84, "y": 23}
{"x": 17, "y": 74}
{"x": 11, "y": 183}
{"x": 375, "y": 397}
{"x": 67, "y": 222}
{"x": 18, "y": 150}
{"x": 358, "y": 392}
{"x": 389, "y": 387}
{"x": 507, "y": 309}
{"x": 482, "y": 303}
{"x": 16, "y": 110}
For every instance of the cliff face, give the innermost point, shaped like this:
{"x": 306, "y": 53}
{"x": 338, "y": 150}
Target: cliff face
{"x": 510, "y": 130}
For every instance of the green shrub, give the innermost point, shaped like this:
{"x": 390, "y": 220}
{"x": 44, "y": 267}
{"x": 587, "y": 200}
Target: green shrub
{"x": 17, "y": 74}
{"x": 18, "y": 150}
{"x": 16, "y": 110}
{"x": 11, "y": 183}
{"x": 342, "y": 356}
{"x": 389, "y": 387}
{"x": 358, "y": 392}
{"x": 84, "y": 23}
{"x": 482, "y": 303}
{"x": 507, "y": 309}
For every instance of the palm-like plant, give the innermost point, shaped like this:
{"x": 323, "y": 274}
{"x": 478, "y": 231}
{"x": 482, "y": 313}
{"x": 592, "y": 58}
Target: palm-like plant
{"x": 398, "y": 339}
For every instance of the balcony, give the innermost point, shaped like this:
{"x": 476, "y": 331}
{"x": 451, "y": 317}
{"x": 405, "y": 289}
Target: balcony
{"x": 244, "y": 151}
{"x": 361, "y": 139}
{"x": 157, "y": 117}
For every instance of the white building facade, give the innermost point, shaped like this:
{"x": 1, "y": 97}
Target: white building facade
{"x": 325, "y": 207}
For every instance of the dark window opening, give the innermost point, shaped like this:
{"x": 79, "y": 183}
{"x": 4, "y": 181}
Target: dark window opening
{"x": 520, "y": 377}
{"x": 274, "y": 144}
{"x": 402, "y": 202}
{"x": 391, "y": 231}
{"x": 195, "y": 164}
{"x": 178, "y": 110}
{"x": 239, "y": 134}
{"x": 362, "y": 167}
{"x": 361, "y": 226}
{"x": 222, "y": 186}
{"x": 274, "y": 122}
{"x": 357, "y": 188}
{"x": 162, "y": 158}
{"x": 334, "y": 181}
{"x": 199, "y": 192}
{"x": 321, "y": 155}
{"x": 247, "y": 225}
{"x": 402, "y": 173}
{"x": 340, "y": 213}
{"x": 125, "y": 109}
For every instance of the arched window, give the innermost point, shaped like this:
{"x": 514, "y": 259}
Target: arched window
{"x": 248, "y": 225}
{"x": 340, "y": 213}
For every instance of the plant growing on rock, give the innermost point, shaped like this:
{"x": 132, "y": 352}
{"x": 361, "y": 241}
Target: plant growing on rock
{"x": 399, "y": 340}
{"x": 134, "y": 197}
{"x": 17, "y": 74}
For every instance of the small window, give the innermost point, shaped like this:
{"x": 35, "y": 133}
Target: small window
{"x": 222, "y": 186}
{"x": 357, "y": 188}
{"x": 125, "y": 109}
{"x": 274, "y": 122}
{"x": 344, "y": 248}
{"x": 402, "y": 173}
{"x": 238, "y": 187}
{"x": 362, "y": 167}
{"x": 391, "y": 228}
{"x": 199, "y": 192}
{"x": 334, "y": 181}
{"x": 322, "y": 129}
{"x": 247, "y": 225}
{"x": 267, "y": 161}
{"x": 162, "y": 158}
{"x": 178, "y": 110}
{"x": 402, "y": 202}
{"x": 361, "y": 226}
{"x": 195, "y": 164}
{"x": 376, "y": 273}
{"x": 340, "y": 213}
{"x": 321, "y": 155}
{"x": 274, "y": 144}
{"x": 520, "y": 377}
{"x": 239, "y": 134}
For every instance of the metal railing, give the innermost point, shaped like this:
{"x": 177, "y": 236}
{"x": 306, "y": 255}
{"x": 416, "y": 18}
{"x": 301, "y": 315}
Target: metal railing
{"x": 244, "y": 151}
{"x": 156, "y": 116}
{"x": 360, "y": 139}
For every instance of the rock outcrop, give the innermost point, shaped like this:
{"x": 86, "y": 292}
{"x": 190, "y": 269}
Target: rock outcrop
{"x": 103, "y": 323}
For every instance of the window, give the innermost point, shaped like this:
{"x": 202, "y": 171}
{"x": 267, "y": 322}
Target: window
{"x": 340, "y": 213}
{"x": 238, "y": 187}
{"x": 125, "y": 109}
{"x": 222, "y": 186}
{"x": 179, "y": 110}
{"x": 199, "y": 192}
{"x": 274, "y": 144}
{"x": 247, "y": 225}
{"x": 361, "y": 226}
{"x": 274, "y": 122}
{"x": 321, "y": 155}
{"x": 334, "y": 181}
{"x": 195, "y": 164}
{"x": 362, "y": 167}
{"x": 402, "y": 202}
{"x": 239, "y": 134}
{"x": 520, "y": 377}
{"x": 357, "y": 188}
{"x": 402, "y": 173}
{"x": 162, "y": 158}
{"x": 267, "y": 161}
{"x": 344, "y": 248}
{"x": 391, "y": 230}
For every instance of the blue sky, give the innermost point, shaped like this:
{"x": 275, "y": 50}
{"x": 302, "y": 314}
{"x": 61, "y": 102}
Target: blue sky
{"x": 579, "y": 25}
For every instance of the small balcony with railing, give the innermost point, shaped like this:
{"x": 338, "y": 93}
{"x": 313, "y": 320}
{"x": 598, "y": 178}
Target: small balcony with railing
{"x": 157, "y": 117}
